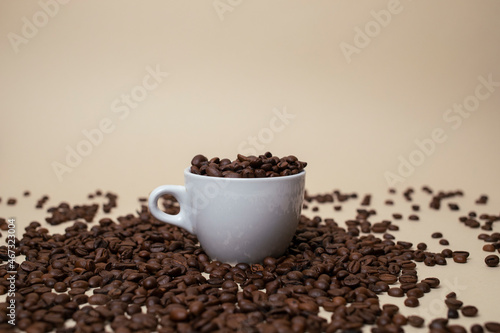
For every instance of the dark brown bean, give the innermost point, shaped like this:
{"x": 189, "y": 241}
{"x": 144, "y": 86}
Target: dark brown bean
{"x": 395, "y": 292}
{"x": 476, "y": 328}
{"x": 99, "y": 299}
{"x": 492, "y": 260}
{"x": 469, "y": 311}
{"x": 411, "y": 302}
{"x": 453, "y": 303}
{"x": 492, "y": 326}
{"x": 415, "y": 321}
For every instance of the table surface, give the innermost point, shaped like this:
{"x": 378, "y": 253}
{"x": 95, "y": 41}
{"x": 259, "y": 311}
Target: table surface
{"x": 372, "y": 94}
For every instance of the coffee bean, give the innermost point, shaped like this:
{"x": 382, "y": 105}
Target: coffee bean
{"x": 444, "y": 242}
{"x": 422, "y": 246}
{"x": 411, "y": 302}
{"x": 492, "y": 260}
{"x": 459, "y": 258}
{"x": 456, "y": 329}
{"x": 415, "y": 292}
{"x": 388, "y": 278}
{"x": 451, "y": 294}
{"x": 476, "y": 328}
{"x": 99, "y": 299}
{"x": 492, "y": 326}
{"x": 452, "y": 314}
{"x": 432, "y": 282}
{"x": 60, "y": 287}
{"x": 469, "y": 311}
{"x": 438, "y": 323}
{"x": 437, "y": 235}
{"x": 395, "y": 292}
{"x": 453, "y": 303}
{"x": 415, "y": 321}
{"x": 489, "y": 248}
{"x": 179, "y": 314}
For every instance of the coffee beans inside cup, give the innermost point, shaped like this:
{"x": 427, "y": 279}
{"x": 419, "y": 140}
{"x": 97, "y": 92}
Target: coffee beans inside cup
{"x": 251, "y": 166}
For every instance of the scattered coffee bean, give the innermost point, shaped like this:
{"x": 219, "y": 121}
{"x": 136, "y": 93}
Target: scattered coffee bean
{"x": 453, "y": 303}
{"x": 492, "y": 260}
{"x": 396, "y": 292}
{"x": 412, "y": 302}
{"x": 416, "y": 321}
{"x": 453, "y": 314}
{"x": 483, "y": 199}
{"x": 476, "y": 328}
{"x": 492, "y": 326}
{"x": 489, "y": 248}
{"x": 437, "y": 235}
{"x": 469, "y": 311}
{"x": 422, "y": 246}
{"x": 413, "y": 217}
{"x": 366, "y": 200}
{"x": 444, "y": 242}
{"x": 99, "y": 299}
{"x": 456, "y": 329}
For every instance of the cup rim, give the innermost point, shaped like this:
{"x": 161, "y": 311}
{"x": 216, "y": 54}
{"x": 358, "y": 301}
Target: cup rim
{"x": 187, "y": 171}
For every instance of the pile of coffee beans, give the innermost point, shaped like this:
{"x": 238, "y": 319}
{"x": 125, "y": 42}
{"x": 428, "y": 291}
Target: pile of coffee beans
{"x": 137, "y": 274}
{"x": 251, "y": 166}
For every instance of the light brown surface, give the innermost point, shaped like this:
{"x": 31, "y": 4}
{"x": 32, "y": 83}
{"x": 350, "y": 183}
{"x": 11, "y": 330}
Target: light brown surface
{"x": 351, "y": 117}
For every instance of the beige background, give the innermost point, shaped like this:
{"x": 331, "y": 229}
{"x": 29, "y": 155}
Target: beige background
{"x": 228, "y": 75}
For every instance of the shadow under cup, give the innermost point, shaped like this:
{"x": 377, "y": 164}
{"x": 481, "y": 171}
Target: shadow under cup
{"x": 236, "y": 219}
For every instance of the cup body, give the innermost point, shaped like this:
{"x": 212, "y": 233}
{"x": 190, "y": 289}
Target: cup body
{"x": 239, "y": 219}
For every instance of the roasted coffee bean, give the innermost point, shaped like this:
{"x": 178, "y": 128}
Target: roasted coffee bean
{"x": 388, "y": 278}
{"x": 444, "y": 242}
{"x": 492, "y": 260}
{"x": 453, "y": 303}
{"x": 437, "y": 235}
{"x": 415, "y": 321}
{"x": 415, "y": 292}
{"x": 396, "y": 292}
{"x": 452, "y": 314}
{"x": 459, "y": 258}
{"x": 438, "y": 323}
{"x": 422, "y": 246}
{"x": 456, "y": 329}
{"x": 99, "y": 299}
{"x": 411, "y": 302}
{"x": 469, "y": 311}
{"x": 492, "y": 326}
{"x": 60, "y": 287}
{"x": 432, "y": 282}
{"x": 489, "y": 248}
{"x": 476, "y": 328}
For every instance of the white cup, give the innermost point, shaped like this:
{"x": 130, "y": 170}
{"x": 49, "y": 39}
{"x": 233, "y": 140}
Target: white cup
{"x": 236, "y": 220}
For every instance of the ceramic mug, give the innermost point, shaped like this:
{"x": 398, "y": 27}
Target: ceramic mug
{"x": 236, "y": 220}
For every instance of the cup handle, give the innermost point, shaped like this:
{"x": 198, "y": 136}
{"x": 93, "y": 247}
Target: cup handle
{"x": 179, "y": 192}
